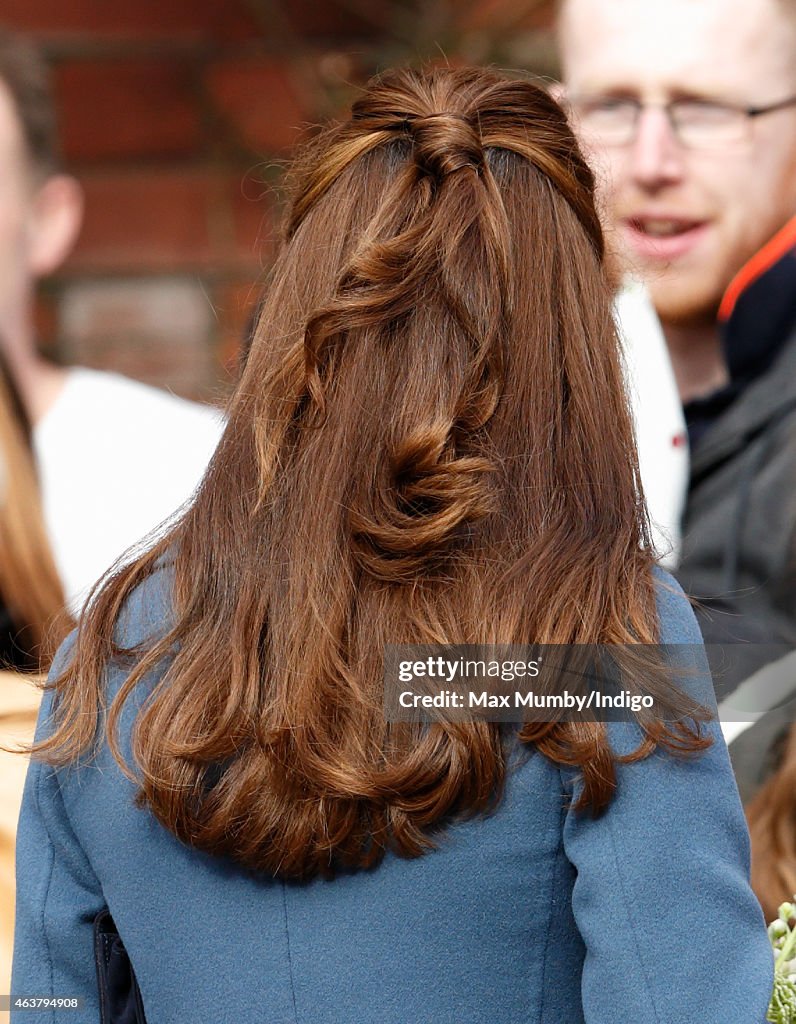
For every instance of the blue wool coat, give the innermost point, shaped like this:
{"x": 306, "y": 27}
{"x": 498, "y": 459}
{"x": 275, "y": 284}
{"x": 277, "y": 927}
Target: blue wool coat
{"x": 534, "y": 913}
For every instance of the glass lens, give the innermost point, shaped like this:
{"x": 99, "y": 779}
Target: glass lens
{"x": 612, "y": 121}
{"x": 708, "y": 124}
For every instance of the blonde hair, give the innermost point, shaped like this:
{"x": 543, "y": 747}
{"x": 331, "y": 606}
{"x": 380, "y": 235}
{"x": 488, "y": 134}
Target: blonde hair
{"x": 29, "y": 583}
{"x": 772, "y": 829}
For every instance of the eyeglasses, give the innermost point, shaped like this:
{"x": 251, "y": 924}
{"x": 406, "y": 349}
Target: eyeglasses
{"x": 697, "y": 124}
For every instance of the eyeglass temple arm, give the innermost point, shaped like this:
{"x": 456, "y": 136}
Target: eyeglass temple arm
{"x": 779, "y": 105}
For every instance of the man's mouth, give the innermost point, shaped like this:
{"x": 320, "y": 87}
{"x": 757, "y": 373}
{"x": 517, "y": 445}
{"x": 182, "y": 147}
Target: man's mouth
{"x": 663, "y": 227}
{"x": 657, "y": 238}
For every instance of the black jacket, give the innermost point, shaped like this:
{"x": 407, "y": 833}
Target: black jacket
{"x": 739, "y": 529}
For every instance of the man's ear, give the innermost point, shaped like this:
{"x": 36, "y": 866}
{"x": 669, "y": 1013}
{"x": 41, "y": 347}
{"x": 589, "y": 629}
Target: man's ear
{"x": 55, "y": 219}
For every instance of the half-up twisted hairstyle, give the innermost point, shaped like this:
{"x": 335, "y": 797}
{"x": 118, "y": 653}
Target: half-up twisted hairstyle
{"x": 430, "y": 444}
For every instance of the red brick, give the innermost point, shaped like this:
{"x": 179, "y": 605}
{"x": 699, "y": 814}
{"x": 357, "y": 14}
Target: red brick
{"x": 146, "y": 219}
{"x": 46, "y": 321}
{"x": 506, "y": 16}
{"x": 165, "y": 219}
{"x": 156, "y": 329}
{"x": 235, "y": 304}
{"x": 337, "y": 20}
{"x": 128, "y": 108}
{"x": 260, "y": 100}
{"x": 341, "y": 73}
{"x": 146, "y": 19}
{"x": 255, "y": 219}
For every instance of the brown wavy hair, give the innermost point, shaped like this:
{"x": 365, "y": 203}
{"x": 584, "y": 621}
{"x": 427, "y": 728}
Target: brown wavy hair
{"x": 771, "y": 815}
{"x": 30, "y": 587}
{"x": 430, "y": 443}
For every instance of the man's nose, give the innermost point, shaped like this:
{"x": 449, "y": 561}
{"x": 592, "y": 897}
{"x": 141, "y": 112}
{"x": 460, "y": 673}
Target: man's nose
{"x": 657, "y": 154}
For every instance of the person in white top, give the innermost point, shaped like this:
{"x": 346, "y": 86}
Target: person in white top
{"x": 101, "y": 442}
{"x": 661, "y": 434}
{"x": 116, "y": 458}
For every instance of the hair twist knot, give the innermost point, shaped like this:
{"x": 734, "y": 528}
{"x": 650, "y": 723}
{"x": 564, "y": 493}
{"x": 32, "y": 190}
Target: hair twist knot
{"x": 445, "y": 143}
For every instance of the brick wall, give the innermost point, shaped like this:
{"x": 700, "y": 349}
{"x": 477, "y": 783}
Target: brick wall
{"x": 176, "y": 116}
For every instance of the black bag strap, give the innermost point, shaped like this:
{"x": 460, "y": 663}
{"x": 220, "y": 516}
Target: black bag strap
{"x": 119, "y": 996}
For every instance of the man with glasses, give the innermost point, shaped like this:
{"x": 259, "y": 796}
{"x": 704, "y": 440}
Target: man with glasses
{"x": 687, "y": 110}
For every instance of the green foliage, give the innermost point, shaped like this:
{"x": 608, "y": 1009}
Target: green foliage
{"x": 782, "y": 1008}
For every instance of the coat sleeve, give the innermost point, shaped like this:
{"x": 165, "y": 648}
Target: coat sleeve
{"x": 672, "y": 930}
{"x": 58, "y": 897}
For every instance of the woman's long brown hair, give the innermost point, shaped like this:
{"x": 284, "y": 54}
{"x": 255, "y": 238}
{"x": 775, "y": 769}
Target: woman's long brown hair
{"x": 772, "y": 829}
{"x": 430, "y": 444}
{"x": 30, "y": 587}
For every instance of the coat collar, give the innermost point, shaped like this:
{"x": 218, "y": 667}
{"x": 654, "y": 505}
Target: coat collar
{"x": 758, "y": 312}
{"x": 757, "y": 321}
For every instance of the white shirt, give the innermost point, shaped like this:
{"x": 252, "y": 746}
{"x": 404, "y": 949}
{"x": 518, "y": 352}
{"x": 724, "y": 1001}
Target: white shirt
{"x": 115, "y": 458}
{"x": 661, "y": 435}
